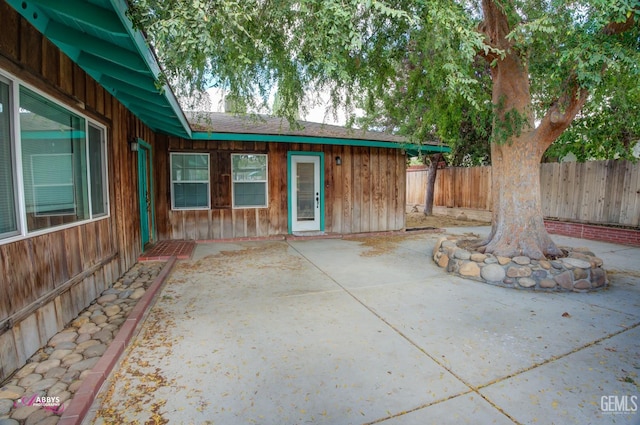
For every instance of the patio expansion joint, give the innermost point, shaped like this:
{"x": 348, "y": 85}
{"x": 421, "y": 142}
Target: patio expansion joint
{"x": 472, "y": 388}
{"x": 559, "y": 356}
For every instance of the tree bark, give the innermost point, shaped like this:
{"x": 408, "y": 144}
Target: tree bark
{"x": 432, "y": 171}
{"x": 517, "y": 225}
{"x": 517, "y": 149}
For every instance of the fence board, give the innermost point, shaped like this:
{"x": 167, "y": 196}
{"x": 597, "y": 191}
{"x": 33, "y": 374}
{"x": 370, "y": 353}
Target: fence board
{"x": 605, "y": 192}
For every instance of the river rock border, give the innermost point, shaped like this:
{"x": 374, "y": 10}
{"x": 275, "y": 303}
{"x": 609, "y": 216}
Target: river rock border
{"x": 580, "y": 271}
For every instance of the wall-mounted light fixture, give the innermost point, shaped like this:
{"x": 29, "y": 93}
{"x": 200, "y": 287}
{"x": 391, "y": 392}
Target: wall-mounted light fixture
{"x": 133, "y": 144}
{"x": 338, "y": 160}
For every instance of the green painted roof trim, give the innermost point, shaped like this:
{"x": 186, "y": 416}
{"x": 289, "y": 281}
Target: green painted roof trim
{"x": 248, "y": 137}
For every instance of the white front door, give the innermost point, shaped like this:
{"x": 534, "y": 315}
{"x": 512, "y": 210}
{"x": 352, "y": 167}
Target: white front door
{"x": 305, "y": 193}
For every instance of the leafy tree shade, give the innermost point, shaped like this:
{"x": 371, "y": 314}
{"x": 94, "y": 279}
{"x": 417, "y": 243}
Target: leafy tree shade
{"x": 607, "y": 127}
{"x": 547, "y": 60}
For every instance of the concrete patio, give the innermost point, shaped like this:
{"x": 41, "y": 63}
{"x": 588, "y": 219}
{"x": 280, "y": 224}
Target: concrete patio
{"x": 369, "y": 330}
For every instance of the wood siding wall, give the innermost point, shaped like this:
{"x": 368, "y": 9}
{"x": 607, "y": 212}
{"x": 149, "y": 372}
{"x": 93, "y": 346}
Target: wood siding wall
{"x": 45, "y": 281}
{"x": 603, "y": 192}
{"x": 364, "y": 194}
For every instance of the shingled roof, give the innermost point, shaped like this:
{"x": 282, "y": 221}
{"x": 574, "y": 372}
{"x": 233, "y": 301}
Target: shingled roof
{"x": 218, "y": 122}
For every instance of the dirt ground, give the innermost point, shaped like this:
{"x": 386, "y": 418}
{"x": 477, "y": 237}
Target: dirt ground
{"x": 419, "y": 220}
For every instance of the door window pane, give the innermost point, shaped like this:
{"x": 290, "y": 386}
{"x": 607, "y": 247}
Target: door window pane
{"x": 305, "y": 191}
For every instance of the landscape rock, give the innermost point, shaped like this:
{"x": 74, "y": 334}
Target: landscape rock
{"x": 548, "y": 283}
{"x": 565, "y": 280}
{"x": 112, "y": 310}
{"x": 46, "y": 365}
{"x": 579, "y": 271}
{"x": 580, "y": 274}
{"x": 23, "y": 412}
{"x": 462, "y": 254}
{"x": 5, "y": 406}
{"x": 526, "y": 282}
{"x": 11, "y": 392}
{"x": 493, "y": 273}
{"x": 478, "y": 257}
{"x": 574, "y": 262}
{"x": 62, "y": 337}
{"x": 518, "y": 271}
{"x": 137, "y": 294}
{"x": 29, "y": 380}
{"x": 470, "y": 269}
{"x": 582, "y": 284}
{"x": 85, "y": 364}
{"x": 36, "y": 417}
{"x": 521, "y": 260}
{"x": 107, "y": 299}
{"x": 598, "y": 277}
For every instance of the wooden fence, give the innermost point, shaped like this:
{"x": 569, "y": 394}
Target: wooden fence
{"x": 606, "y": 192}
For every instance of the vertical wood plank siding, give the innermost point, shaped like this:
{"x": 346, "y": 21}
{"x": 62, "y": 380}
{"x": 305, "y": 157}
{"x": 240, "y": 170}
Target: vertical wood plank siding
{"x": 602, "y": 192}
{"x": 365, "y": 193}
{"x": 32, "y": 268}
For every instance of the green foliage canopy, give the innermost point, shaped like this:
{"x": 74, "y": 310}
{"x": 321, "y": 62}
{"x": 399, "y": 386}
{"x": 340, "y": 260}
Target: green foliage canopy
{"x": 412, "y": 53}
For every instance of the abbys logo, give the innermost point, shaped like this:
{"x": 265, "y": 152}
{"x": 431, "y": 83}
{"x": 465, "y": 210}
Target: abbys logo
{"x": 52, "y": 404}
{"x": 621, "y": 405}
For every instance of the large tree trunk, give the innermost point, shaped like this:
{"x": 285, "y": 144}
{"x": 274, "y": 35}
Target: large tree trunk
{"x": 517, "y": 220}
{"x": 432, "y": 171}
{"x": 518, "y": 146}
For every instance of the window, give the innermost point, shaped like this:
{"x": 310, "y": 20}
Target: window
{"x": 249, "y": 180}
{"x": 190, "y": 181}
{"x": 8, "y": 219}
{"x": 53, "y": 161}
{"x": 98, "y": 173}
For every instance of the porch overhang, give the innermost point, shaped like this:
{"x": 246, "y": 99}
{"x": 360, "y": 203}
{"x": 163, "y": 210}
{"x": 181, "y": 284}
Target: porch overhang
{"x": 99, "y": 37}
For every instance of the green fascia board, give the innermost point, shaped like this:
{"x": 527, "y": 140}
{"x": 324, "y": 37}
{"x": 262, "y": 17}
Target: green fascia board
{"x": 120, "y": 7}
{"x": 88, "y": 13}
{"x": 246, "y": 137}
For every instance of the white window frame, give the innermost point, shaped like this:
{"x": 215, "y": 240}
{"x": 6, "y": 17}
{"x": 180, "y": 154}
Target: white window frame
{"x": 265, "y": 181}
{"x": 104, "y": 171}
{"x": 208, "y": 181}
{"x": 16, "y": 143}
{"x": 13, "y": 146}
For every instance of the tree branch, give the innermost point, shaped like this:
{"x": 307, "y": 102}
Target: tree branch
{"x": 561, "y": 113}
{"x": 619, "y": 27}
{"x": 495, "y": 28}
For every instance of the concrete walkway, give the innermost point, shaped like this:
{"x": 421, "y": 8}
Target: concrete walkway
{"x": 371, "y": 331}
